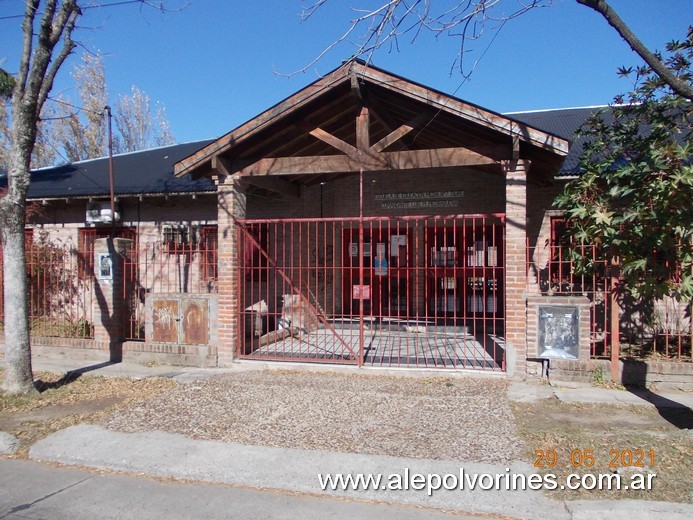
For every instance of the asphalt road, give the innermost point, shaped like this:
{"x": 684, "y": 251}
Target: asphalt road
{"x": 31, "y": 490}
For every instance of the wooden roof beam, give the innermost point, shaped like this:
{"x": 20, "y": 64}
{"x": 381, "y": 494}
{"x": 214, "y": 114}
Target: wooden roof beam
{"x": 333, "y": 141}
{"x": 464, "y": 110}
{"x": 401, "y": 160}
{"x": 400, "y": 132}
{"x": 273, "y": 184}
{"x": 363, "y": 136}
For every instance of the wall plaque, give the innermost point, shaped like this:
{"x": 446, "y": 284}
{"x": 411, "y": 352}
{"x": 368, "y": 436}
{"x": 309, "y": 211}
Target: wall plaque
{"x": 559, "y": 332}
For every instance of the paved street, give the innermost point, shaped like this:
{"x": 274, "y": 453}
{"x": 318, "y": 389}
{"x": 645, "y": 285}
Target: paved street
{"x": 30, "y": 490}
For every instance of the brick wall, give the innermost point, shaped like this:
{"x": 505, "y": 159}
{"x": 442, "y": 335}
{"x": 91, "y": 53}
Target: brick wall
{"x": 516, "y": 266}
{"x": 483, "y": 193}
{"x": 231, "y": 206}
{"x": 63, "y": 220}
{"x": 108, "y": 303}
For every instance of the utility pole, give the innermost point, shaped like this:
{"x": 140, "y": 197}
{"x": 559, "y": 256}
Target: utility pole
{"x": 107, "y": 110}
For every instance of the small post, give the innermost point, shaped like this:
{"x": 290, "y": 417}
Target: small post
{"x": 108, "y": 306}
{"x": 615, "y": 321}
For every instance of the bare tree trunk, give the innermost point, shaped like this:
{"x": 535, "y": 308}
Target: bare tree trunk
{"x": 18, "y": 375}
{"x": 47, "y": 43}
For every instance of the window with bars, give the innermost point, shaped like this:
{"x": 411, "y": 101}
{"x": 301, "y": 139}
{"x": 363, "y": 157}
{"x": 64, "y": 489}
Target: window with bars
{"x": 208, "y": 249}
{"x": 177, "y": 239}
{"x": 87, "y": 238}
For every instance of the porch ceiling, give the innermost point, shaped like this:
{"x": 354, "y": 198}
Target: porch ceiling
{"x": 362, "y": 117}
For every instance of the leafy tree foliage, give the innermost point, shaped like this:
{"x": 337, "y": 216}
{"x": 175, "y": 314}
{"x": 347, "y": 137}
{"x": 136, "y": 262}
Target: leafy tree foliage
{"x": 71, "y": 130}
{"x": 81, "y": 133}
{"x": 634, "y": 198}
{"x": 6, "y": 84}
{"x": 137, "y": 127}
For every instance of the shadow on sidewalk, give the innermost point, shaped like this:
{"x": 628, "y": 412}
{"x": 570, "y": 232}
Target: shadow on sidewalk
{"x": 635, "y": 379}
{"x": 71, "y": 376}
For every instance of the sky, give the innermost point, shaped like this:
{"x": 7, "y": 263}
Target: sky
{"x": 215, "y": 64}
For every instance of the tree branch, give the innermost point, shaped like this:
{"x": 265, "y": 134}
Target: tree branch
{"x": 62, "y": 27}
{"x": 679, "y": 86}
{"x": 27, "y": 28}
{"x": 392, "y": 19}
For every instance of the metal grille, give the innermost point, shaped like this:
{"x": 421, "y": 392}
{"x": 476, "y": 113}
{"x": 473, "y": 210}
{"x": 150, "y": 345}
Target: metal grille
{"x": 659, "y": 330}
{"x": 167, "y": 267}
{"x": 406, "y": 291}
{"x": 60, "y": 295}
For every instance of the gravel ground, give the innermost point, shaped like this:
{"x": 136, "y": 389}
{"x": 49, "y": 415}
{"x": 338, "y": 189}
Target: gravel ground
{"x": 460, "y": 418}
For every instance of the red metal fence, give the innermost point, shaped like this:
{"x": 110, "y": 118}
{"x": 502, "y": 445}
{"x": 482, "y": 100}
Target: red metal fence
{"x": 417, "y": 291}
{"x": 656, "y": 330}
{"x": 60, "y": 290}
{"x": 405, "y": 291}
{"x": 172, "y": 267}
{"x": 61, "y": 280}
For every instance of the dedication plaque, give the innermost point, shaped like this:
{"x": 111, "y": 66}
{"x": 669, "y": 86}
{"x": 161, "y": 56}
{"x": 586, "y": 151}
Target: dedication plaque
{"x": 558, "y": 332}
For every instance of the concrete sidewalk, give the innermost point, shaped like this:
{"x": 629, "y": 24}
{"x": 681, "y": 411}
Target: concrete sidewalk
{"x": 175, "y": 456}
{"x": 569, "y": 392}
{"x": 531, "y": 390}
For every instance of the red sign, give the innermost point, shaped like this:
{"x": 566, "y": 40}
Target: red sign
{"x": 361, "y": 292}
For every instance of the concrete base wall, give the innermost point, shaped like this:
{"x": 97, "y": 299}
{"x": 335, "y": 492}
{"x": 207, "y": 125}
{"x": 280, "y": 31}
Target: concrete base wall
{"x": 132, "y": 351}
{"x": 646, "y": 374}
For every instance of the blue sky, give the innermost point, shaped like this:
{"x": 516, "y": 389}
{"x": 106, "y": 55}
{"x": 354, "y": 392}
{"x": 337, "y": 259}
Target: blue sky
{"x": 213, "y": 64}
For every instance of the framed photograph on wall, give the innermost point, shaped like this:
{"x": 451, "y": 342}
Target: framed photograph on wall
{"x": 104, "y": 266}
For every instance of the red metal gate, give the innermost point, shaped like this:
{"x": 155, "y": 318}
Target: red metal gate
{"x": 404, "y": 291}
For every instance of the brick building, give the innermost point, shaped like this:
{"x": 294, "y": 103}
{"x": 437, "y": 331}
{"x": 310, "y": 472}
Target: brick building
{"x": 364, "y": 220}
{"x": 370, "y": 220}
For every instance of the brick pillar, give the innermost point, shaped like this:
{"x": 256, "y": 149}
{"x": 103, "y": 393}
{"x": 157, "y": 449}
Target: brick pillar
{"x": 516, "y": 266}
{"x": 231, "y": 205}
{"x": 109, "y": 301}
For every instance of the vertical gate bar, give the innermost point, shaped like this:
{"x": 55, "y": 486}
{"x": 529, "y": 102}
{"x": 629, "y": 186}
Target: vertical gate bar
{"x": 469, "y": 288}
{"x": 465, "y": 287}
{"x": 361, "y": 268}
{"x": 42, "y": 278}
{"x": 240, "y": 346}
{"x": 615, "y": 325}
{"x": 48, "y": 284}
{"x": 326, "y": 276}
{"x": 485, "y": 316}
{"x": 484, "y": 290}
{"x": 488, "y": 287}
{"x": 500, "y": 256}
{"x": 290, "y": 257}
{"x": 458, "y": 335}
{"x": 403, "y": 309}
{"x": 304, "y": 269}
{"x": 380, "y": 310}
{"x": 498, "y": 238}
{"x": 336, "y": 261}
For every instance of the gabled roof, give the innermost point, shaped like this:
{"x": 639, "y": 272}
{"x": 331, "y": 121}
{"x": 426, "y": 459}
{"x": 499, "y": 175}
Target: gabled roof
{"x": 147, "y": 172}
{"x": 563, "y": 122}
{"x": 150, "y": 172}
{"x": 321, "y": 121}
